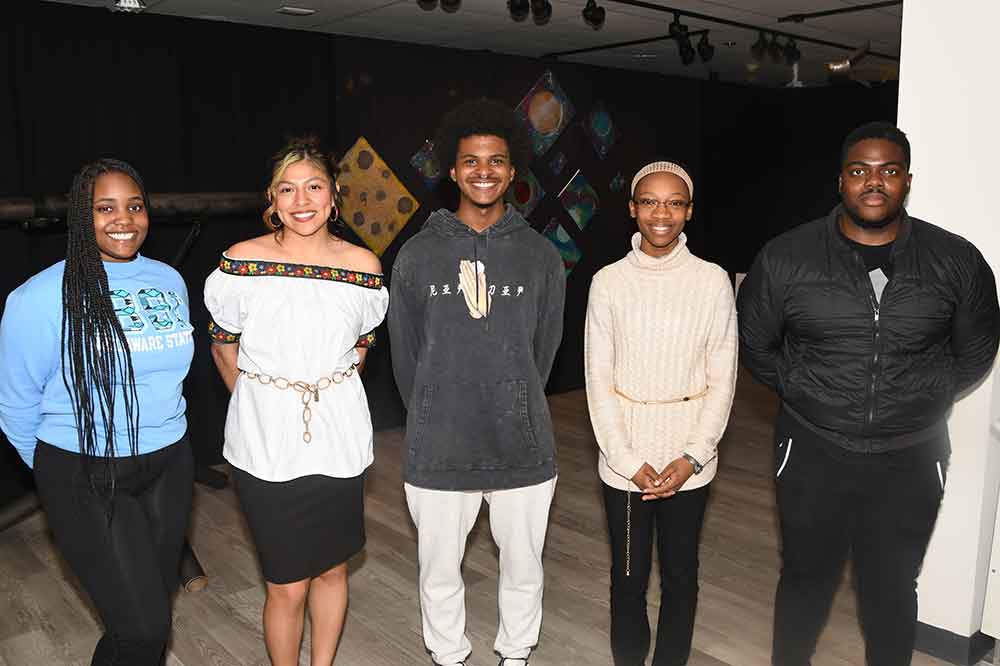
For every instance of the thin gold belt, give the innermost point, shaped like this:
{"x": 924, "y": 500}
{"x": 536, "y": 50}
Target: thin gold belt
{"x": 309, "y": 391}
{"x": 700, "y": 394}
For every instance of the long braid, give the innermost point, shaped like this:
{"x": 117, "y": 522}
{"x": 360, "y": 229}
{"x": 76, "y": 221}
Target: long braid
{"x": 96, "y": 355}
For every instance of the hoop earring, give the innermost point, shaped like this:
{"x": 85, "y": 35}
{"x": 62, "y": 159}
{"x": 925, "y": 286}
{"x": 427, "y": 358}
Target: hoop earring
{"x": 276, "y": 221}
{"x": 334, "y": 215}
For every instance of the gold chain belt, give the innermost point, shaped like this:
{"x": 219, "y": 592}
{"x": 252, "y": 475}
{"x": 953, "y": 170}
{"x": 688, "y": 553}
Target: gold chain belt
{"x": 700, "y": 394}
{"x": 310, "y": 392}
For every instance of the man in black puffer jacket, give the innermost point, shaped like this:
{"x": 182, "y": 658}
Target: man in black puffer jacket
{"x": 867, "y": 323}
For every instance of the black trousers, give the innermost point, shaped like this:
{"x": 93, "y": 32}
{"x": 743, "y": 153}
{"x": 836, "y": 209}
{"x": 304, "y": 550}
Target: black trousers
{"x": 879, "y": 507}
{"x": 676, "y": 522}
{"x": 128, "y": 566}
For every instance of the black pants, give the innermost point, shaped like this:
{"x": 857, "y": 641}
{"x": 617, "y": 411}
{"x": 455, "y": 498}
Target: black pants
{"x": 881, "y": 507}
{"x": 129, "y": 566}
{"x": 677, "y": 521}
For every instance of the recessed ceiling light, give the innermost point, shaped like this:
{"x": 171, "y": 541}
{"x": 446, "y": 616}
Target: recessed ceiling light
{"x": 643, "y": 56}
{"x": 730, "y": 44}
{"x": 295, "y": 11}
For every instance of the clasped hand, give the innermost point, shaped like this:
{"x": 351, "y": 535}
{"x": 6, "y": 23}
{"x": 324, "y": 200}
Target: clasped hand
{"x": 664, "y": 484}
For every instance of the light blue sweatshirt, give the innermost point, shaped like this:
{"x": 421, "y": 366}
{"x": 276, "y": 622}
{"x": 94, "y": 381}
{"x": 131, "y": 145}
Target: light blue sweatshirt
{"x": 151, "y": 301}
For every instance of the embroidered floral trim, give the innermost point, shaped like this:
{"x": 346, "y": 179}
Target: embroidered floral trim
{"x": 366, "y": 340}
{"x": 221, "y": 335}
{"x": 263, "y": 268}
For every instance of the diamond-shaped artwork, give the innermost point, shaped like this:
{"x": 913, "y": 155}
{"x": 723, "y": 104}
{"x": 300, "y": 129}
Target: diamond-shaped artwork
{"x": 545, "y": 111}
{"x": 568, "y": 249}
{"x": 375, "y": 204}
{"x": 579, "y": 199}
{"x": 617, "y": 183}
{"x": 427, "y": 165}
{"x": 525, "y": 192}
{"x": 601, "y": 129}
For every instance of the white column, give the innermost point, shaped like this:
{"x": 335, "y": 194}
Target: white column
{"x": 949, "y": 107}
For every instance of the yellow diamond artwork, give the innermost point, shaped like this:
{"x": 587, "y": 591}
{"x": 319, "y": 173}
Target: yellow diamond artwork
{"x": 374, "y": 203}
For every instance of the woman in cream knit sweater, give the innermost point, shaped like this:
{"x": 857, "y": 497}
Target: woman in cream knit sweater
{"x": 660, "y": 355}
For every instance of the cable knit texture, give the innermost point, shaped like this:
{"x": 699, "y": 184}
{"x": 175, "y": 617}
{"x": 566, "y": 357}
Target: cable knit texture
{"x": 659, "y": 329}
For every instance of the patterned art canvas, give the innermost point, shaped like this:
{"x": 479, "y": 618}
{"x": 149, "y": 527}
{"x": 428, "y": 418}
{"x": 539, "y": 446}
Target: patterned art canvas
{"x": 375, "y": 204}
{"x": 525, "y": 192}
{"x": 568, "y": 249}
{"x": 579, "y": 199}
{"x": 427, "y": 165}
{"x": 545, "y": 111}
{"x": 601, "y": 129}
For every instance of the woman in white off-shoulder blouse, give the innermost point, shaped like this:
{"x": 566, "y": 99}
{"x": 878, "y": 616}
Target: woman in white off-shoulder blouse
{"x": 292, "y": 317}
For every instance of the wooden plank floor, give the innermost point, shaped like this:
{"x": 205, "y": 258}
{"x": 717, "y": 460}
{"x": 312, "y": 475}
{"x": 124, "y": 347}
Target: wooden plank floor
{"x": 46, "y": 619}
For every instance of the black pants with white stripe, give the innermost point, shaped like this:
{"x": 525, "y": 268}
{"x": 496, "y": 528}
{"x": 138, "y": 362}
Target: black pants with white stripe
{"x": 881, "y": 509}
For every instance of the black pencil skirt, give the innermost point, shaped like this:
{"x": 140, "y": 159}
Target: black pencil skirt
{"x": 303, "y": 527}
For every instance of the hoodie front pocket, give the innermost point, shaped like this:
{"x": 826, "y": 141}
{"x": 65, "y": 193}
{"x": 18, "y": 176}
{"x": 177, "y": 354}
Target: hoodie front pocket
{"x": 475, "y": 426}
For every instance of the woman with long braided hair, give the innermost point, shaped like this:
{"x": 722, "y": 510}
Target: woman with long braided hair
{"x": 292, "y": 313}
{"x": 95, "y": 349}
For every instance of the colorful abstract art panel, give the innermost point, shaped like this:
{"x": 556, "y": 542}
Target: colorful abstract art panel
{"x": 568, "y": 249}
{"x": 579, "y": 199}
{"x": 601, "y": 129}
{"x": 375, "y": 204}
{"x": 545, "y": 111}
{"x": 427, "y": 165}
{"x": 525, "y": 192}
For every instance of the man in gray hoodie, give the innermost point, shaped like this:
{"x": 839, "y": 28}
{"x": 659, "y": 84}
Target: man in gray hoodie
{"x": 475, "y": 319}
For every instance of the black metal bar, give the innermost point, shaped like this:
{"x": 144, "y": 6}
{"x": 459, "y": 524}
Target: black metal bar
{"x": 167, "y": 204}
{"x": 617, "y": 45}
{"x": 747, "y": 26}
{"x": 799, "y": 18}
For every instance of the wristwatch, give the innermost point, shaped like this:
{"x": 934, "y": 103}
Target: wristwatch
{"x": 694, "y": 463}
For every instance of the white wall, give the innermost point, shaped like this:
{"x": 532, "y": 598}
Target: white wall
{"x": 949, "y": 106}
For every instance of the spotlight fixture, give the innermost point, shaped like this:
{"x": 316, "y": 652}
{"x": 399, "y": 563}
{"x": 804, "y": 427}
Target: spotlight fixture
{"x": 427, "y": 5}
{"x": 128, "y": 6}
{"x": 759, "y": 48}
{"x": 677, "y": 29}
{"x": 685, "y": 49}
{"x": 705, "y": 50}
{"x": 518, "y": 9}
{"x": 451, "y": 6}
{"x": 792, "y": 53}
{"x": 541, "y": 11}
{"x": 594, "y": 15}
{"x": 775, "y": 50}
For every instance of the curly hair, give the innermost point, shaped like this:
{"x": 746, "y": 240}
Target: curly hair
{"x": 481, "y": 117}
{"x": 297, "y": 149}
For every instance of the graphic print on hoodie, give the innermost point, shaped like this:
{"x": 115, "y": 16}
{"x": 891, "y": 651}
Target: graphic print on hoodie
{"x": 472, "y": 352}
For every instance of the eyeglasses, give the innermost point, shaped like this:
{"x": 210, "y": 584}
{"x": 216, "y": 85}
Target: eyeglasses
{"x": 650, "y": 204}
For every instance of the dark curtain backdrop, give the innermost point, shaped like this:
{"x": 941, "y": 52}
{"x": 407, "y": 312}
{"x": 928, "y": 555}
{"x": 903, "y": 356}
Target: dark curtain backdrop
{"x": 199, "y": 106}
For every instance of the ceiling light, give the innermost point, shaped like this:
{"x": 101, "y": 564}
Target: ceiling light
{"x": 427, "y": 5}
{"x": 518, "y": 9}
{"x": 129, "y": 6}
{"x": 792, "y": 53}
{"x": 541, "y": 11}
{"x": 686, "y": 50}
{"x": 759, "y": 48}
{"x": 451, "y": 6}
{"x": 593, "y": 15}
{"x": 705, "y": 50}
{"x": 677, "y": 29}
{"x": 289, "y": 10}
{"x": 775, "y": 50}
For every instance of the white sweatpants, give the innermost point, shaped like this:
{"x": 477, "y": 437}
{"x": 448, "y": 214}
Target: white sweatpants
{"x": 518, "y": 520}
